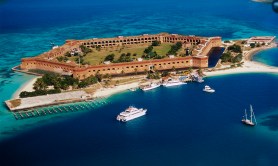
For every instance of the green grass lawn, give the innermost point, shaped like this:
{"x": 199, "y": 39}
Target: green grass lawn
{"x": 97, "y": 57}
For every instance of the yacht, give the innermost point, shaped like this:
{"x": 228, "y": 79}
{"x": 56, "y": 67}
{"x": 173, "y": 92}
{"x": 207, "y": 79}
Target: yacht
{"x": 173, "y": 83}
{"x": 131, "y": 113}
{"x": 252, "y": 121}
{"x": 151, "y": 86}
{"x": 208, "y": 89}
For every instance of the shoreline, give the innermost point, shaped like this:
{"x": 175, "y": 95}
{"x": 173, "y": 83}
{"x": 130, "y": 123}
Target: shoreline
{"x": 105, "y": 92}
{"x": 248, "y": 66}
{"x": 28, "y": 86}
{"x": 249, "y": 55}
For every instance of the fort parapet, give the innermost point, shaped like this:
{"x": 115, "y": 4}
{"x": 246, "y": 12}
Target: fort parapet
{"x": 202, "y": 46}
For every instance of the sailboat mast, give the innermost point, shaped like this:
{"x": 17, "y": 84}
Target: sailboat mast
{"x": 245, "y": 115}
{"x": 251, "y": 114}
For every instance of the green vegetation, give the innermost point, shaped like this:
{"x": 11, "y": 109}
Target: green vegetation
{"x": 109, "y": 57}
{"x": 252, "y": 45}
{"x": 235, "y": 48}
{"x": 165, "y": 74}
{"x": 88, "y": 81}
{"x": 25, "y": 94}
{"x": 175, "y": 48}
{"x": 155, "y": 75}
{"x": 227, "y": 57}
{"x": 85, "y": 50}
{"x": 97, "y": 56}
{"x": 59, "y": 83}
{"x": 124, "y": 58}
{"x": 156, "y": 43}
{"x": 62, "y": 59}
{"x": 237, "y": 58}
{"x": 150, "y": 54}
{"x": 148, "y": 50}
{"x": 67, "y": 54}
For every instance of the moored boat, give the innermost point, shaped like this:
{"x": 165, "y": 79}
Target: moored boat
{"x": 208, "y": 89}
{"x": 250, "y": 122}
{"x": 151, "y": 86}
{"x": 133, "y": 89}
{"x": 131, "y": 113}
{"x": 172, "y": 82}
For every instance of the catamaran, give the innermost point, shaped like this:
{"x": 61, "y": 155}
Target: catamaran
{"x": 252, "y": 121}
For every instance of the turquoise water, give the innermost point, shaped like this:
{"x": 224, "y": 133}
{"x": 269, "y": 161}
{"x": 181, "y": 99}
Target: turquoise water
{"x": 183, "y": 127}
{"x": 269, "y": 57}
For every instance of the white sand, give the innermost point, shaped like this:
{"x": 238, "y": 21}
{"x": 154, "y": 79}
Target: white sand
{"x": 28, "y": 86}
{"x": 103, "y": 92}
{"x": 248, "y": 67}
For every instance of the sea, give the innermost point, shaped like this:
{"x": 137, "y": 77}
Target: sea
{"x": 183, "y": 125}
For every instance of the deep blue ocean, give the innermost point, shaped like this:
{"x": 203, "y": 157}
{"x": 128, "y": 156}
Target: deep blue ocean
{"x": 183, "y": 126}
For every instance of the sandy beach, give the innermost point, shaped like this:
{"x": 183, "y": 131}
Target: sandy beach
{"x": 104, "y": 92}
{"x": 28, "y": 86}
{"x": 248, "y": 66}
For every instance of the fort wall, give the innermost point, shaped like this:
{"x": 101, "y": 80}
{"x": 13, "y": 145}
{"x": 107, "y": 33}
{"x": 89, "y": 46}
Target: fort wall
{"x": 47, "y": 61}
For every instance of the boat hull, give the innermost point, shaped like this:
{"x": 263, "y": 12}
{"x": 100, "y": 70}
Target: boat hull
{"x": 150, "y": 88}
{"x": 209, "y": 91}
{"x": 247, "y": 122}
{"x": 173, "y": 84}
{"x": 128, "y": 118}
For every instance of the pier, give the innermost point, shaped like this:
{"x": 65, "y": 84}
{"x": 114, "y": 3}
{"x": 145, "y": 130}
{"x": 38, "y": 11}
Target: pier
{"x": 61, "y": 109}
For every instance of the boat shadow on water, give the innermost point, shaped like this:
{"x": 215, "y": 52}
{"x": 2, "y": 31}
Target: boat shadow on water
{"x": 271, "y": 122}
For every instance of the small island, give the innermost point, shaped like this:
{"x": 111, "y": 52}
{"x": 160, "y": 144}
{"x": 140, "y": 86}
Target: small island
{"x": 82, "y": 70}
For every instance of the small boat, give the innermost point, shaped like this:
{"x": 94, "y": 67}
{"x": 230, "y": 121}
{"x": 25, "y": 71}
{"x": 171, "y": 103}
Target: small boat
{"x": 151, "y": 86}
{"x": 250, "y": 122}
{"x": 131, "y": 113}
{"x": 208, "y": 89}
{"x": 132, "y": 89}
{"x": 200, "y": 80}
{"x": 172, "y": 82}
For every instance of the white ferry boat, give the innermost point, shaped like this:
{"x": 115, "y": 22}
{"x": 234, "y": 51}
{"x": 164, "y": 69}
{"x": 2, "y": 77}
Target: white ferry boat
{"x": 252, "y": 121}
{"x": 131, "y": 113}
{"x": 151, "y": 86}
{"x": 208, "y": 89}
{"x": 173, "y": 83}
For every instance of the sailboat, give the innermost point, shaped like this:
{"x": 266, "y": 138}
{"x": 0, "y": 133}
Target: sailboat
{"x": 252, "y": 121}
